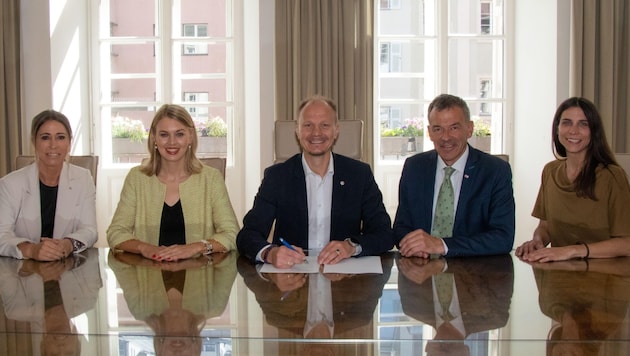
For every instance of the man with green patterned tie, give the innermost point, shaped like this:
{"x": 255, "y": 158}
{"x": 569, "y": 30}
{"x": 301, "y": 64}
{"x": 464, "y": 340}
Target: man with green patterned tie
{"x": 454, "y": 200}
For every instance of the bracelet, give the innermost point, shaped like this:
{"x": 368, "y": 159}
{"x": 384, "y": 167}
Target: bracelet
{"x": 208, "y": 246}
{"x": 588, "y": 250}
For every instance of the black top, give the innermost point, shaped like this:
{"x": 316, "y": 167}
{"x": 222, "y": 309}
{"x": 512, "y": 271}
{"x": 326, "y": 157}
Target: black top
{"x": 48, "y": 205}
{"x": 174, "y": 279}
{"x": 172, "y": 229}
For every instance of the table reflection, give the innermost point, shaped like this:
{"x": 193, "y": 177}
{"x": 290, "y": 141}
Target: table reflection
{"x": 588, "y": 301}
{"x": 317, "y": 307}
{"x": 40, "y": 300}
{"x": 227, "y": 307}
{"x": 175, "y": 298}
{"x": 458, "y": 297}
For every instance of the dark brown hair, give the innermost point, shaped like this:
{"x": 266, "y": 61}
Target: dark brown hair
{"x": 598, "y": 151}
{"x": 447, "y": 101}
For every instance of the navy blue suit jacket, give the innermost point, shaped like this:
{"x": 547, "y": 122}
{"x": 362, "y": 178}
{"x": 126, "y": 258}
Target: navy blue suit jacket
{"x": 357, "y": 208}
{"x": 484, "y": 220}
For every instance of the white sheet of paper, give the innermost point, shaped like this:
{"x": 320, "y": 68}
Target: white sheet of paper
{"x": 310, "y": 267}
{"x": 360, "y": 265}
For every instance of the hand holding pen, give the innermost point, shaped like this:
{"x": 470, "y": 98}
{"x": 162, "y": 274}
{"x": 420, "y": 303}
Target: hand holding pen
{"x": 297, "y": 255}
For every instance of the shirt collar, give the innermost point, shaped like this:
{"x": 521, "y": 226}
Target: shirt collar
{"x": 308, "y": 171}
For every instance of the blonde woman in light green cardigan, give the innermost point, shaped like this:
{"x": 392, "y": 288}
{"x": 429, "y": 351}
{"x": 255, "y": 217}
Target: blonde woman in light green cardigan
{"x": 172, "y": 206}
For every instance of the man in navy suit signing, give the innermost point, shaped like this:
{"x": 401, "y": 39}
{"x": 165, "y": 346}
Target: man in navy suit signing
{"x": 320, "y": 201}
{"x": 481, "y": 199}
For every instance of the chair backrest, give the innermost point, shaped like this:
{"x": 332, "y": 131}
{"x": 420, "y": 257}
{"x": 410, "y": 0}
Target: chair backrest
{"x": 624, "y": 161}
{"x": 215, "y": 162}
{"x": 503, "y": 157}
{"x": 88, "y": 162}
{"x": 349, "y": 143}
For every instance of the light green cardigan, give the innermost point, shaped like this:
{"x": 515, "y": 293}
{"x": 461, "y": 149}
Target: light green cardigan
{"x": 208, "y": 212}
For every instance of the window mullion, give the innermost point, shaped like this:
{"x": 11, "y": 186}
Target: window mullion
{"x": 442, "y": 46}
{"x": 164, "y": 58}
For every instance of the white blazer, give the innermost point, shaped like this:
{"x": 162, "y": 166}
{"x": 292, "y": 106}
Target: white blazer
{"x": 20, "y": 212}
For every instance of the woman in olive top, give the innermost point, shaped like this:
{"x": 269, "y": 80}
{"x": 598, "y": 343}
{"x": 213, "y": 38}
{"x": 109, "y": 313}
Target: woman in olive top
{"x": 172, "y": 206}
{"x": 584, "y": 196}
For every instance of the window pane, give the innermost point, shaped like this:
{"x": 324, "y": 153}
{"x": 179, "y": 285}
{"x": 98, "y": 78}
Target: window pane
{"x": 133, "y": 58}
{"x": 471, "y": 63}
{"x": 408, "y": 18}
{"x": 202, "y": 31}
{"x": 212, "y": 129}
{"x": 195, "y": 69}
{"x": 201, "y": 12}
{"x": 123, "y": 15}
{"x": 401, "y": 88}
{"x": 129, "y": 128}
{"x": 401, "y": 129}
{"x": 215, "y": 62}
{"x": 133, "y": 90}
{"x": 402, "y": 56}
{"x": 484, "y": 17}
{"x": 189, "y": 30}
{"x": 216, "y": 88}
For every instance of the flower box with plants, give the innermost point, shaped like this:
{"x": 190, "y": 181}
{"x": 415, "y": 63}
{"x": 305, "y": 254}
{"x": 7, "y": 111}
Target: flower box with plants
{"x": 482, "y": 136}
{"x": 128, "y": 136}
{"x": 212, "y": 137}
{"x": 407, "y": 139}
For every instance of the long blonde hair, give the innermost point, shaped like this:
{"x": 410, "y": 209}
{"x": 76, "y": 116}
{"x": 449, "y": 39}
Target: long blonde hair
{"x": 153, "y": 164}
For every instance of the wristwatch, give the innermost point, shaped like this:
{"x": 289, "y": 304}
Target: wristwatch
{"x": 76, "y": 244}
{"x": 356, "y": 245}
{"x": 208, "y": 245}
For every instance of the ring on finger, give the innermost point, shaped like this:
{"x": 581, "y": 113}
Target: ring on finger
{"x": 338, "y": 252}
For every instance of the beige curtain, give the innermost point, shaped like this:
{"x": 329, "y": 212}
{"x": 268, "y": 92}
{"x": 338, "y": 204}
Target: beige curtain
{"x": 600, "y": 46}
{"x": 9, "y": 83}
{"x": 326, "y": 47}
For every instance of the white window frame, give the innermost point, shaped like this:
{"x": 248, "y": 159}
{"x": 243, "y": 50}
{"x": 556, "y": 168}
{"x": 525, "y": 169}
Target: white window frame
{"x": 436, "y": 60}
{"x": 167, "y": 75}
{"x": 194, "y": 48}
{"x": 193, "y": 97}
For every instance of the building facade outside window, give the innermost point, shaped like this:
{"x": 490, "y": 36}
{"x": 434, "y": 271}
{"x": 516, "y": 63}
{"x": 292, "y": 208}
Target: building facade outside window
{"x": 429, "y": 47}
{"x": 177, "y": 52}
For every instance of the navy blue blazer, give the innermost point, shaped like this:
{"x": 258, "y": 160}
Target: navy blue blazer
{"x": 357, "y": 208}
{"x": 484, "y": 220}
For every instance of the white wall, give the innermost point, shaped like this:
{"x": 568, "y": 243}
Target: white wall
{"x": 54, "y": 55}
{"x": 540, "y": 83}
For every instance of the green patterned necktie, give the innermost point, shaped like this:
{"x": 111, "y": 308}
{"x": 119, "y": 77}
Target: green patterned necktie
{"x": 444, "y": 289}
{"x": 444, "y": 207}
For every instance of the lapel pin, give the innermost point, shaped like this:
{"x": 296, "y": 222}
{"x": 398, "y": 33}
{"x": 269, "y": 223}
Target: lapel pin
{"x": 466, "y": 176}
{"x": 342, "y": 183}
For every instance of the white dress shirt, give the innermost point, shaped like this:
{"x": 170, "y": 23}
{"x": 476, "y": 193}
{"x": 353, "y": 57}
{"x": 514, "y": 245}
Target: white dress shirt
{"x": 319, "y": 200}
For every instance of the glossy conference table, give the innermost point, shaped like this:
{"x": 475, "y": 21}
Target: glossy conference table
{"x": 106, "y": 304}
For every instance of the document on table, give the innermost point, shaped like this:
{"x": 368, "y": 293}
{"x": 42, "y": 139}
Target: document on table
{"x": 360, "y": 265}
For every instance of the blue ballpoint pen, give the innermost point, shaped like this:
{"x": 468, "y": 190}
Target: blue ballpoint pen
{"x": 289, "y": 246}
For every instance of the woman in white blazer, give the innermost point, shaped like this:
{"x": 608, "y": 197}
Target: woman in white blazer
{"x": 48, "y": 209}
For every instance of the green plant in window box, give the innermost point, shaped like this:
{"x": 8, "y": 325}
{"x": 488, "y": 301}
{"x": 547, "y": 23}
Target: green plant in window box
{"x": 482, "y": 129}
{"x": 216, "y": 127}
{"x": 412, "y": 128}
{"x": 124, "y": 127}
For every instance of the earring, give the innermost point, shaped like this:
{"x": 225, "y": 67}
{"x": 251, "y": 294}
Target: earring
{"x": 155, "y": 146}
{"x": 189, "y": 146}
